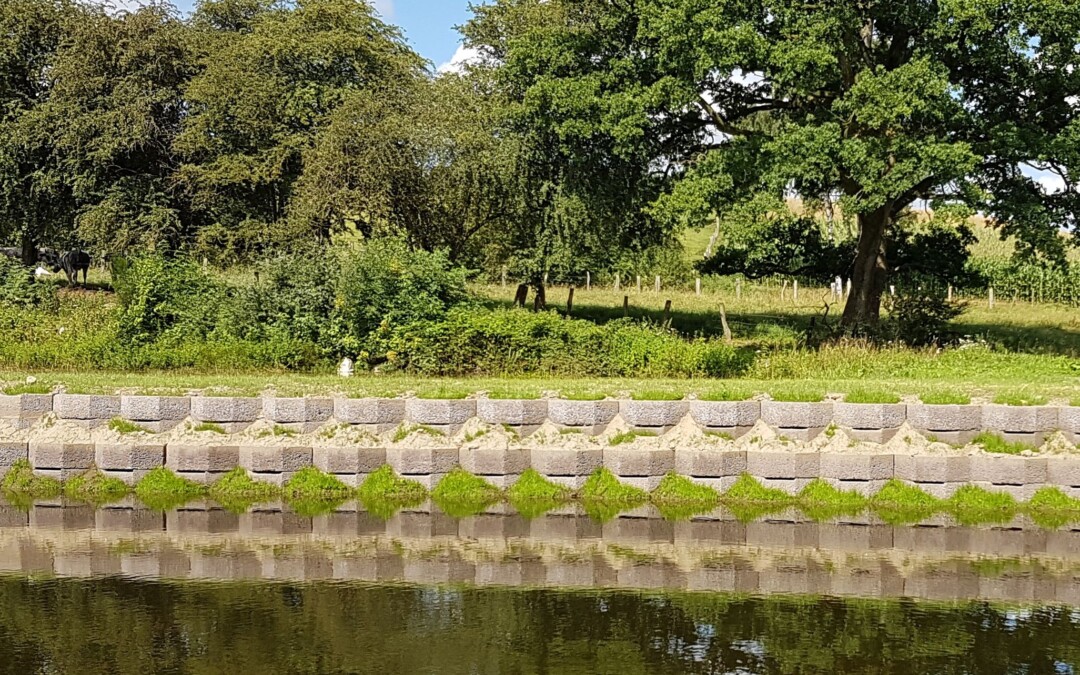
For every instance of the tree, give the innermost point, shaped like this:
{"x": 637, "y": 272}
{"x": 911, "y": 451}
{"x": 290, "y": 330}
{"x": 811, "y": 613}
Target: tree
{"x": 877, "y": 103}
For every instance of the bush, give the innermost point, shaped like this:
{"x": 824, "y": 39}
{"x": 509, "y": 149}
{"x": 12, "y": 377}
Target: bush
{"x": 474, "y": 341}
{"x": 160, "y": 298}
{"x": 920, "y": 316}
{"x": 18, "y": 287}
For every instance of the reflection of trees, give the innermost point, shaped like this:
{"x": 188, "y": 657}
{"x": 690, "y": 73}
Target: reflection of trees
{"x": 114, "y": 626}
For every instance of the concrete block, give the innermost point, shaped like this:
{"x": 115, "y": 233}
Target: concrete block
{"x": 223, "y": 409}
{"x": 494, "y": 461}
{"x": 945, "y": 417}
{"x": 1063, "y": 471}
{"x": 932, "y": 469}
{"x": 380, "y": 412}
{"x": 725, "y": 414}
{"x": 783, "y": 465}
{"x": 721, "y": 485}
{"x": 11, "y": 452}
{"x": 202, "y": 458}
{"x": 785, "y": 415}
{"x": 128, "y": 476}
{"x": 1069, "y": 419}
{"x": 25, "y": 406}
{"x": 516, "y": 413}
{"x": 639, "y": 462}
{"x": 869, "y": 415}
{"x": 792, "y": 486}
{"x": 86, "y": 407}
{"x": 74, "y": 456}
{"x": 155, "y": 408}
{"x": 653, "y": 414}
{"x": 582, "y": 413}
{"x": 1019, "y": 419}
{"x": 61, "y": 475}
{"x": 1019, "y": 492}
{"x": 557, "y": 462}
{"x": 1008, "y": 470}
{"x": 881, "y": 436}
{"x": 646, "y": 483}
{"x": 939, "y": 490}
{"x": 867, "y": 488}
{"x": 439, "y": 412}
{"x": 709, "y": 463}
{"x": 419, "y": 461}
{"x": 297, "y": 410}
{"x": 274, "y": 459}
{"x": 854, "y": 467}
{"x": 348, "y": 460}
{"x": 128, "y": 520}
{"x": 129, "y": 457}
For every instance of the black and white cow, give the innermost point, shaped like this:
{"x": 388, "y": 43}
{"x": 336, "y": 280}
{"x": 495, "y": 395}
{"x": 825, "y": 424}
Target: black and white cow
{"x": 71, "y": 262}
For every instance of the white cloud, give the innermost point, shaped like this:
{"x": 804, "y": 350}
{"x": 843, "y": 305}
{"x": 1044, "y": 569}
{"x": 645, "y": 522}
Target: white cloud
{"x": 462, "y": 57}
{"x": 384, "y": 7}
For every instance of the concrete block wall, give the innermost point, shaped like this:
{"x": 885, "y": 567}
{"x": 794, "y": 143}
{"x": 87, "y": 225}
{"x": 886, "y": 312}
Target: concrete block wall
{"x": 940, "y": 475}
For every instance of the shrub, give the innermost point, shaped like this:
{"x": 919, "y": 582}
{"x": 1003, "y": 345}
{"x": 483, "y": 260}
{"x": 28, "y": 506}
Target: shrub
{"x": 920, "y": 316}
{"x": 160, "y": 297}
{"x": 19, "y": 289}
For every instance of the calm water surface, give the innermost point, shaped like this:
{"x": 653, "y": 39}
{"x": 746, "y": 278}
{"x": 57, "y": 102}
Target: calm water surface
{"x": 116, "y": 625}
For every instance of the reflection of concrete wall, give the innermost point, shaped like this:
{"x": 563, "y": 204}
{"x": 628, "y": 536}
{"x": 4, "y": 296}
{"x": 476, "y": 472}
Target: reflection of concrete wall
{"x": 1020, "y": 476}
{"x": 1024, "y": 565}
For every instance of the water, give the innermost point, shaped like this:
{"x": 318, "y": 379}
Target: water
{"x": 205, "y": 591}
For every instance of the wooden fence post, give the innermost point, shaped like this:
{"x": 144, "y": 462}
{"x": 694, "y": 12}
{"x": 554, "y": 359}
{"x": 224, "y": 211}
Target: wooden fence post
{"x": 738, "y": 289}
{"x": 639, "y": 283}
{"x": 795, "y": 290}
{"x": 724, "y": 323}
{"x": 625, "y": 306}
{"x": 950, "y": 293}
{"x": 617, "y": 284}
{"x": 991, "y": 297}
{"x": 522, "y": 295}
{"x": 570, "y": 301}
{"x": 657, "y": 283}
{"x": 667, "y": 313}
{"x": 697, "y": 286}
{"x": 588, "y": 281}
{"x": 783, "y": 290}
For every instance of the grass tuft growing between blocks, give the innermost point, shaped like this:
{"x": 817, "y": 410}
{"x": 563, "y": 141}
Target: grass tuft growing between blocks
{"x": 973, "y": 505}
{"x": 533, "y": 495}
{"x": 237, "y": 491}
{"x": 384, "y": 493}
{"x": 161, "y": 489}
{"x": 461, "y": 494}
{"x": 822, "y": 501}
{"x": 96, "y": 488}
{"x": 898, "y": 503}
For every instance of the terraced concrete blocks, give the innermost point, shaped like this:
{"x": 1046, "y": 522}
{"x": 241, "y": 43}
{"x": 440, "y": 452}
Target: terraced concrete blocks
{"x": 60, "y": 460}
{"x": 22, "y": 410}
{"x": 1063, "y": 472}
{"x": 129, "y": 457}
{"x": 304, "y": 414}
{"x": 844, "y": 467}
{"x": 274, "y": 459}
{"x": 494, "y": 461}
{"x": 232, "y": 413}
{"x": 1008, "y": 470}
{"x": 589, "y": 416}
{"x": 381, "y": 414}
{"x": 567, "y": 467}
{"x": 522, "y": 415}
{"x": 201, "y": 463}
{"x": 930, "y": 469}
{"x": 783, "y": 465}
{"x": 86, "y": 409}
{"x": 948, "y": 423}
{"x": 447, "y": 416}
{"x": 653, "y": 414}
{"x": 798, "y": 421}
{"x": 642, "y": 468}
{"x": 350, "y": 460}
{"x": 876, "y": 422}
{"x": 156, "y": 413}
{"x": 11, "y": 452}
{"x": 694, "y": 463}
{"x": 414, "y": 462}
{"x": 1019, "y": 423}
{"x": 732, "y": 417}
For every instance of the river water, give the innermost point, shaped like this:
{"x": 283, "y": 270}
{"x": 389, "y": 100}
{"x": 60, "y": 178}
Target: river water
{"x": 201, "y": 590}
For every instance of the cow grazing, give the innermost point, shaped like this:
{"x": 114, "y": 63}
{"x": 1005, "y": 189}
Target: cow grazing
{"x": 70, "y": 262}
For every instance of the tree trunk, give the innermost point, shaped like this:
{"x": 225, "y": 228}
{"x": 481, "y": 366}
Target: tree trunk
{"x": 871, "y": 270}
{"x": 29, "y": 250}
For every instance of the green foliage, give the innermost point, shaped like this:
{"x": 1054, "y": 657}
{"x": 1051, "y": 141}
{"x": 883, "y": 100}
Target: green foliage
{"x": 533, "y": 494}
{"x": 462, "y": 494}
{"x": 749, "y": 489}
{"x": 96, "y": 488}
{"x": 1018, "y": 398}
{"x": 122, "y": 426}
{"x": 162, "y": 489}
{"x": 629, "y": 436}
{"x": 994, "y": 443}
{"x": 20, "y": 480}
{"x": 869, "y": 396}
{"x": 604, "y": 486}
{"x": 208, "y": 427}
{"x": 311, "y": 484}
{"x": 945, "y": 398}
{"x": 159, "y": 298}
{"x": 237, "y": 491}
{"x": 821, "y": 501}
{"x": 972, "y": 505}
{"x": 676, "y": 489}
{"x": 899, "y": 503}
{"x": 920, "y": 316}
{"x": 384, "y": 487}
{"x": 790, "y": 246}
{"x": 19, "y": 289}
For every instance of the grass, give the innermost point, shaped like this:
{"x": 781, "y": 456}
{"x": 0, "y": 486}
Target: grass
{"x": 871, "y": 396}
{"x": 725, "y": 394}
{"x": 26, "y": 388}
{"x": 96, "y": 488}
{"x": 311, "y": 492}
{"x": 384, "y": 492}
{"x": 122, "y": 426}
{"x": 991, "y": 442}
{"x": 1019, "y": 399}
{"x": 797, "y": 396}
{"x": 534, "y": 495}
{"x": 237, "y": 491}
{"x": 20, "y": 480}
{"x": 462, "y": 494}
{"x": 277, "y": 431}
{"x": 972, "y": 505}
{"x": 406, "y": 430}
{"x": 657, "y": 395}
{"x": 1051, "y": 508}
{"x": 604, "y": 496}
{"x": 209, "y": 427}
{"x": 822, "y": 501}
{"x": 679, "y": 498}
{"x": 162, "y": 489}
{"x": 898, "y": 503}
{"x": 945, "y": 398}
{"x": 630, "y": 436}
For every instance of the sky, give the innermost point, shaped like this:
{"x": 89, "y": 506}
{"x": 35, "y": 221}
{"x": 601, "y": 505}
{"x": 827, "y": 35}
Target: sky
{"x": 428, "y": 24}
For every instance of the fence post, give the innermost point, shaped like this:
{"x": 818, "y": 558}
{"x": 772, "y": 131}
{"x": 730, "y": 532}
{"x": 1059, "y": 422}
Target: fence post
{"x": 783, "y": 290}
{"x": 625, "y": 306}
{"x": 950, "y": 293}
{"x": 504, "y": 276}
{"x": 738, "y": 289}
{"x": 617, "y": 282}
{"x": 795, "y": 290}
{"x": 588, "y": 281}
{"x": 849, "y": 288}
{"x": 639, "y": 283}
{"x": 697, "y": 286}
{"x": 657, "y": 283}
{"x": 667, "y": 313}
{"x": 991, "y": 297}
{"x": 570, "y": 302}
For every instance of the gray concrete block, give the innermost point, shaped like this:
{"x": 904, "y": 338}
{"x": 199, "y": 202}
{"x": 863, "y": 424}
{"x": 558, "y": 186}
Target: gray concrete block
{"x": 274, "y": 459}
{"x": 129, "y": 477}
{"x": 77, "y": 456}
{"x": 939, "y": 490}
{"x": 494, "y": 461}
{"x": 845, "y": 467}
{"x": 796, "y": 415}
{"x": 867, "y": 488}
{"x": 155, "y": 408}
{"x": 872, "y": 435}
{"x": 869, "y": 415}
{"x": 1063, "y": 471}
{"x": 202, "y": 458}
{"x": 439, "y": 412}
{"x": 653, "y": 413}
{"x": 225, "y": 409}
{"x": 11, "y": 452}
{"x": 129, "y": 457}
{"x": 513, "y": 412}
{"x": 582, "y": 413}
{"x": 783, "y": 465}
{"x": 1019, "y": 492}
{"x": 1008, "y": 470}
{"x": 945, "y": 417}
{"x": 725, "y": 414}
{"x": 297, "y": 410}
{"x": 792, "y": 486}
{"x": 1019, "y": 419}
{"x": 709, "y": 463}
{"x": 932, "y": 469}
{"x": 348, "y": 460}
{"x": 557, "y": 462}
{"x": 383, "y": 412}
{"x": 25, "y": 406}
{"x": 721, "y": 485}
{"x": 1069, "y": 419}
{"x": 639, "y": 462}
{"x": 86, "y": 407}
{"x": 420, "y": 461}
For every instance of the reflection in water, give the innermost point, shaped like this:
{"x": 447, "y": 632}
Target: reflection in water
{"x": 131, "y": 626}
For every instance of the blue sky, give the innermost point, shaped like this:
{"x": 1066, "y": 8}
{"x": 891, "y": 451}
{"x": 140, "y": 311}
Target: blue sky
{"x": 428, "y": 24}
